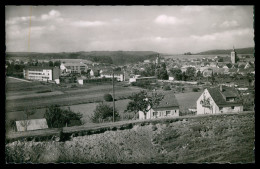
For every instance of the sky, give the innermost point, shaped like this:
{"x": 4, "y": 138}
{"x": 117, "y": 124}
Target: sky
{"x": 164, "y": 29}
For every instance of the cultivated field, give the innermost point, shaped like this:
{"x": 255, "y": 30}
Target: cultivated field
{"x": 223, "y": 138}
{"x": 185, "y": 100}
{"x": 37, "y": 95}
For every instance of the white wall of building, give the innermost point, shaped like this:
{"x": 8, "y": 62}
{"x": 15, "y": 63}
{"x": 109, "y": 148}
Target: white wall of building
{"x": 214, "y": 107}
{"x": 205, "y": 110}
{"x": 171, "y": 78}
{"x": 174, "y": 112}
{"x": 118, "y": 77}
{"x": 80, "y": 81}
{"x": 41, "y": 75}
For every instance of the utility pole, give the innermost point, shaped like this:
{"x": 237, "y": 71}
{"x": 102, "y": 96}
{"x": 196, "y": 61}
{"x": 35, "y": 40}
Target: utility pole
{"x": 113, "y": 98}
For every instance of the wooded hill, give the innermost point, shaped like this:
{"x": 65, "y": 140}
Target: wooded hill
{"x": 249, "y": 50}
{"x": 113, "y": 57}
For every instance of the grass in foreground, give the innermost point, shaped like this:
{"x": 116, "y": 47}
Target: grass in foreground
{"x": 213, "y": 139}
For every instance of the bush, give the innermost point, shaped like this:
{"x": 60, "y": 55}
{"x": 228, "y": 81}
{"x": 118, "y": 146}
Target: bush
{"x": 73, "y": 86}
{"x": 195, "y": 89}
{"x": 127, "y": 116}
{"x": 103, "y": 113}
{"x": 166, "y": 87}
{"x": 108, "y": 97}
{"x": 57, "y": 117}
{"x": 154, "y": 128}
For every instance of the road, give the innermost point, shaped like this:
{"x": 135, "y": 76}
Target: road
{"x": 93, "y": 127}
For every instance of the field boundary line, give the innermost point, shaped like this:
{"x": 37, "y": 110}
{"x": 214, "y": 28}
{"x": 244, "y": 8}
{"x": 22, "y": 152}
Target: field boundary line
{"x": 19, "y": 79}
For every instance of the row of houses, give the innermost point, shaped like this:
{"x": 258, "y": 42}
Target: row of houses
{"x": 46, "y": 73}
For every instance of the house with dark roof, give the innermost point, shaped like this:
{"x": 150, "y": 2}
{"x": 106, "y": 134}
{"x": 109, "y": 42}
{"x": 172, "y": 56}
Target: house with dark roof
{"x": 221, "y": 99}
{"x": 168, "y": 107}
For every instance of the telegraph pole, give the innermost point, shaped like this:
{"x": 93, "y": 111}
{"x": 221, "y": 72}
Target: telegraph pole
{"x": 113, "y": 97}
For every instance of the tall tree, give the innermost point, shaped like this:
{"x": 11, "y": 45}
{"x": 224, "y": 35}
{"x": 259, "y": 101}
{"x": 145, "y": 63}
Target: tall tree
{"x": 177, "y": 73}
{"x": 144, "y": 102}
{"x": 103, "y": 112}
{"x": 28, "y": 112}
{"x": 190, "y": 72}
{"x": 50, "y": 63}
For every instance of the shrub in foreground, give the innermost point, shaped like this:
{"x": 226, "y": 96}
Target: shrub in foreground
{"x": 57, "y": 117}
{"x": 103, "y": 113}
{"x": 108, "y": 97}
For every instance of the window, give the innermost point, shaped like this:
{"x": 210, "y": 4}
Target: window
{"x": 233, "y": 107}
{"x": 155, "y": 113}
{"x": 168, "y": 113}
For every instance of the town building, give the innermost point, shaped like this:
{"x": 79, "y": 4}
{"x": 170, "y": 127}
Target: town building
{"x": 73, "y": 67}
{"x": 95, "y": 72}
{"x": 168, "y": 107}
{"x": 41, "y": 73}
{"x": 119, "y": 75}
{"x": 147, "y": 61}
{"x": 171, "y": 77}
{"x": 138, "y": 78}
{"x": 221, "y": 99}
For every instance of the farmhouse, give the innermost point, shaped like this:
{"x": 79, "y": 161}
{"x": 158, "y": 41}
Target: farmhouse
{"x": 41, "y": 73}
{"x": 220, "y": 99}
{"x": 73, "y": 67}
{"x": 168, "y": 107}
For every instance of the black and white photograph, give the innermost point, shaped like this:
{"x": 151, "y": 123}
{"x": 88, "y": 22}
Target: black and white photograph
{"x": 154, "y": 84}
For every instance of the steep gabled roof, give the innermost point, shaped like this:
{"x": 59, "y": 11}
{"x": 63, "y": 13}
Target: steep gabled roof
{"x": 218, "y": 96}
{"x": 168, "y": 101}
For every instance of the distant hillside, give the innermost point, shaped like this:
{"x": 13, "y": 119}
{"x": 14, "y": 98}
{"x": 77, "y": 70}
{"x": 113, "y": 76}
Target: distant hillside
{"x": 113, "y": 57}
{"x": 249, "y": 50}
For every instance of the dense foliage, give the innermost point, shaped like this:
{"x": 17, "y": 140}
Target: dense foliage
{"x": 166, "y": 87}
{"x": 108, "y": 97}
{"x": 57, "y": 117}
{"x": 161, "y": 72}
{"x": 144, "y": 102}
{"x": 14, "y": 70}
{"x": 176, "y": 73}
{"x": 104, "y": 113}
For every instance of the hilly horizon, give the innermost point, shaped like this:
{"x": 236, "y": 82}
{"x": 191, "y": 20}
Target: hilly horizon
{"x": 248, "y": 50}
{"x": 112, "y": 57}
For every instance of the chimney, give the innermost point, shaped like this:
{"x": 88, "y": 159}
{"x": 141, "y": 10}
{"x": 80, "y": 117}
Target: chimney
{"x": 220, "y": 88}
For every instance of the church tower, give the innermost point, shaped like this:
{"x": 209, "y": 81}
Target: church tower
{"x": 157, "y": 61}
{"x": 233, "y": 56}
